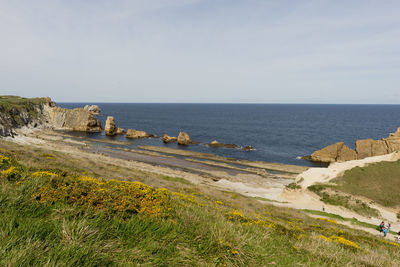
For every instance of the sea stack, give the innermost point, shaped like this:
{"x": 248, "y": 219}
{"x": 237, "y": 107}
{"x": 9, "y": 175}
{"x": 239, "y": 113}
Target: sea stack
{"x": 110, "y": 128}
{"x": 184, "y": 139}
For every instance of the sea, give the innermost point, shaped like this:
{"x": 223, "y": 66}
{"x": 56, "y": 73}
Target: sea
{"x": 280, "y": 133}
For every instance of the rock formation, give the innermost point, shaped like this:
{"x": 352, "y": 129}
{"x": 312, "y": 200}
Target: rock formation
{"x": 168, "y": 139}
{"x": 120, "y": 131}
{"x": 77, "y": 119}
{"x": 364, "y": 148}
{"x": 248, "y": 148}
{"x": 335, "y": 152}
{"x": 368, "y": 148}
{"x": 94, "y": 109}
{"x": 184, "y": 139}
{"x": 135, "y": 134}
{"x": 215, "y": 143}
{"x": 110, "y": 127}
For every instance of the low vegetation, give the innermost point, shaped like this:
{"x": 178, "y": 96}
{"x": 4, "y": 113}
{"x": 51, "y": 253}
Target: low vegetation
{"x": 330, "y": 195}
{"x": 378, "y": 181}
{"x": 61, "y": 216}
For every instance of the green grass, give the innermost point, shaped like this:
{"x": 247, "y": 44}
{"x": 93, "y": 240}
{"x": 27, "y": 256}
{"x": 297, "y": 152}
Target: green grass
{"x": 379, "y": 182}
{"x": 329, "y": 195}
{"x": 197, "y": 231}
{"x": 176, "y": 180}
{"x": 20, "y": 104}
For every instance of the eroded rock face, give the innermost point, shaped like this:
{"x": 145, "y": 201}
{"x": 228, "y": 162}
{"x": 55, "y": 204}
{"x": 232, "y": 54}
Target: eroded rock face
{"x": 94, "y": 109}
{"x": 77, "y": 119}
{"x": 168, "y": 139}
{"x": 135, "y": 134}
{"x": 369, "y": 148}
{"x": 110, "y": 128}
{"x": 332, "y": 153}
{"x": 184, "y": 139}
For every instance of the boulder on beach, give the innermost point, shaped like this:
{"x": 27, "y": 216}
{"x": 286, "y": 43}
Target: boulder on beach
{"x": 215, "y": 143}
{"x": 168, "y": 139}
{"x": 332, "y": 153}
{"x": 184, "y": 139}
{"x": 110, "y": 128}
{"x": 135, "y": 134}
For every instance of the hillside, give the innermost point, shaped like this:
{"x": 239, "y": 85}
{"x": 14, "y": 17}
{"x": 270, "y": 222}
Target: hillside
{"x": 58, "y": 212}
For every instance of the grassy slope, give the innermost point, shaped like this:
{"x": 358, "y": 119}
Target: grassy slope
{"x": 203, "y": 227}
{"x": 379, "y": 182}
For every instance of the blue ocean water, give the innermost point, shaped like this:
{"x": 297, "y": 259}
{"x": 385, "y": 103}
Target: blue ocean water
{"x": 279, "y": 132}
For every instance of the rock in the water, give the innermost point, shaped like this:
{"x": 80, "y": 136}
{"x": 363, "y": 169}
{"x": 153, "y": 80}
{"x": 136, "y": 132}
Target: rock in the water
{"x": 168, "y": 139}
{"x": 248, "y": 148}
{"x": 215, "y": 143}
{"x": 120, "y": 131}
{"x": 135, "y": 134}
{"x": 184, "y": 139}
{"x": 336, "y": 152}
{"x": 110, "y": 128}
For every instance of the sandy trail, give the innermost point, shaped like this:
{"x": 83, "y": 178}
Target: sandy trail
{"x": 324, "y": 175}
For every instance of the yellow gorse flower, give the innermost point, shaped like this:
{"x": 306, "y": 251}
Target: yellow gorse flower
{"x": 4, "y": 159}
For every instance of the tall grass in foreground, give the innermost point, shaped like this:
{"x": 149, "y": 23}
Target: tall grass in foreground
{"x": 52, "y": 218}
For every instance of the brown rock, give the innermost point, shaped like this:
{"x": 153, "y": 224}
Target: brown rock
{"x": 120, "y": 131}
{"x": 135, "y": 134}
{"x": 215, "y": 143}
{"x": 369, "y": 148}
{"x": 332, "y": 153}
{"x": 184, "y": 139}
{"x": 248, "y": 148}
{"x": 110, "y": 128}
{"x": 77, "y": 119}
{"x": 168, "y": 139}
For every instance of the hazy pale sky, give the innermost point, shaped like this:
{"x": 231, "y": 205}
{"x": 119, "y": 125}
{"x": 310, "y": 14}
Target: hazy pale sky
{"x": 280, "y": 51}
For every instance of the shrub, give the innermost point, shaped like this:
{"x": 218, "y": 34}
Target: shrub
{"x": 111, "y": 196}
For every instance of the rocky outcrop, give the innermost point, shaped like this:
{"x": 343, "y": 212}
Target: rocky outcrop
{"x": 17, "y": 112}
{"x": 120, "y": 131}
{"x": 135, "y": 134}
{"x": 248, "y": 148}
{"x": 215, "y": 143}
{"x": 110, "y": 128}
{"x": 184, "y": 139}
{"x": 364, "y": 148}
{"x": 168, "y": 139}
{"x": 77, "y": 119}
{"x": 369, "y": 148}
{"x": 94, "y": 109}
{"x": 336, "y": 152}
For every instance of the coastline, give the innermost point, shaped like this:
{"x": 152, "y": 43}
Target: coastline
{"x": 261, "y": 180}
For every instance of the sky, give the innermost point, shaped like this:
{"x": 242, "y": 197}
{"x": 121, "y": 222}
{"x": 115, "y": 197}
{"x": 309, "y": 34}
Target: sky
{"x": 202, "y": 51}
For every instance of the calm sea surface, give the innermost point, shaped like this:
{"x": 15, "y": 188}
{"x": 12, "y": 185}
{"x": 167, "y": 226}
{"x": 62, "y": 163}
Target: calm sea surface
{"x": 279, "y": 132}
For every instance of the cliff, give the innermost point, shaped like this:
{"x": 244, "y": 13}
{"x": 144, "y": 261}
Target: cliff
{"x": 17, "y": 112}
